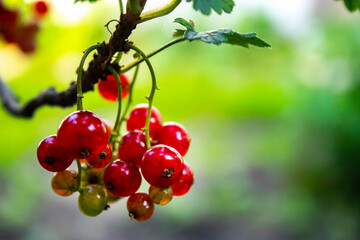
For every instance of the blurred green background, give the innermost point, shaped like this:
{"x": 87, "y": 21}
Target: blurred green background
{"x": 275, "y": 132}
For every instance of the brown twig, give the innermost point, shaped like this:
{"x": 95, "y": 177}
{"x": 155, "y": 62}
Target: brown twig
{"x": 95, "y": 71}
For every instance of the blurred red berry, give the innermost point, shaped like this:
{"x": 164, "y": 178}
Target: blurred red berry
{"x": 41, "y": 8}
{"x": 109, "y": 89}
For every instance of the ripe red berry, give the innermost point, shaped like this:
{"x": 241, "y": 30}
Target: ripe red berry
{"x": 83, "y": 133}
{"x": 109, "y": 89}
{"x": 137, "y": 119}
{"x": 100, "y": 160}
{"x": 174, "y": 135}
{"x": 133, "y": 147}
{"x": 183, "y": 185}
{"x": 122, "y": 178}
{"x": 109, "y": 127}
{"x": 41, "y": 8}
{"x": 160, "y": 196}
{"x": 162, "y": 165}
{"x": 140, "y": 206}
{"x": 52, "y": 156}
{"x": 64, "y": 183}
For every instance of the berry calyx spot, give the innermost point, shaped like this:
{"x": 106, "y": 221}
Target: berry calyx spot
{"x": 168, "y": 172}
{"x": 49, "y": 160}
{"x": 85, "y": 153}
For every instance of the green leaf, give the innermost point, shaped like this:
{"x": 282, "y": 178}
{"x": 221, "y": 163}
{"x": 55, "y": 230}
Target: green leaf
{"x": 86, "y": 1}
{"x": 188, "y": 24}
{"x": 244, "y": 40}
{"x": 352, "y": 5}
{"x": 220, "y": 36}
{"x": 205, "y": 6}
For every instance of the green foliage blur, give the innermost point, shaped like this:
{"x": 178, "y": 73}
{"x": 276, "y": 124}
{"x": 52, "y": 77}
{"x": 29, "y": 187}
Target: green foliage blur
{"x": 275, "y": 133}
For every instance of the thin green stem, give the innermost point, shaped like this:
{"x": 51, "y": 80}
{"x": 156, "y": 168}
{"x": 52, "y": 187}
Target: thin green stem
{"x": 121, "y": 7}
{"x": 135, "y": 6}
{"x": 116, "y": 130}
{"x": 118, "y": 58}
{"x": 123, "y": 118}
{"x": 78, "y": 188}
{"x": 79, "y": 95}
{"x": 158, "y": 12}
{"x": 152, "y": 92}
{"x": 138, "y": 61}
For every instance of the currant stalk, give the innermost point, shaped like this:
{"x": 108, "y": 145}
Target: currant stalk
{"x": 123, "y": 118}
{"x": 135, "y": 6}
{"x": 118, "y": 58}
{"x": 152, "y": 92}
{"x": 116, "y": 129}
{"x": 80, "y": 96}
{"x": 163, "y": 47}
{"x": 158, "y": 12}
{"x": 121, "y": 7}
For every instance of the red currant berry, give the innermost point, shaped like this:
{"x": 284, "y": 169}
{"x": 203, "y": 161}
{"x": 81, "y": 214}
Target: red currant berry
{"x": 160, "y": 196}
{"x": 83, "y": 133}
{"x": 92, "y": 200}
{"x": 109, "y": 127}
{"x": 52, "y": 156}
{"x": 140, "y": 206}
{"x": 162, "y": 165}
{"x": 133, "y": 147}
{"x": 41, "y": 8}
{"x": 109, "y": 89}
{"x": 122, "y": 178}
{"x": 183, "y": 185}
{"x": 174, "y": 135}
{"x": 100, "y": 160}
{"x": 137, "y": 119}
{"x": 64, "y": 183}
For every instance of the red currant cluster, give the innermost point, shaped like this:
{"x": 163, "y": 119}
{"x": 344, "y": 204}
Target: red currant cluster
{"x": 111, "y": 168}
{"x": 15, "y": 31}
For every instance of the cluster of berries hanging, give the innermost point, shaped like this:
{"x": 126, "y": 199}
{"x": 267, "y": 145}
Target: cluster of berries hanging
{"x": 111, "y": 168}
{"x": 14, "y": 30}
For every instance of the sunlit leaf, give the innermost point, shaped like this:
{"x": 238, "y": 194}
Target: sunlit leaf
{"x": 219, "y": 6}
{"x": 220, "y": 36}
